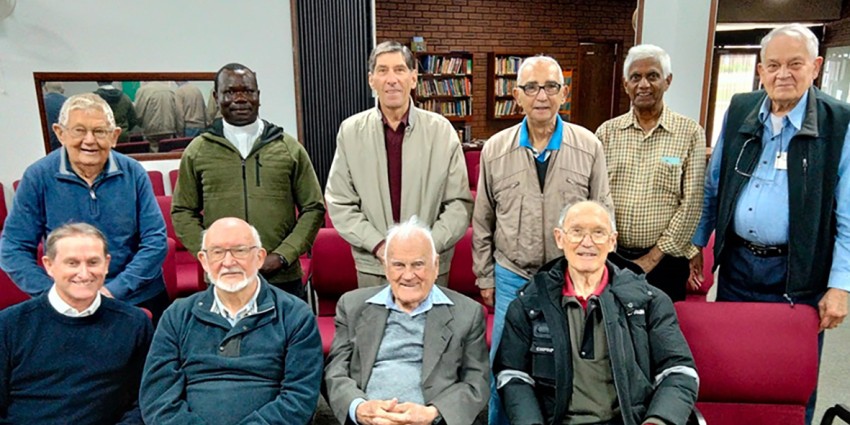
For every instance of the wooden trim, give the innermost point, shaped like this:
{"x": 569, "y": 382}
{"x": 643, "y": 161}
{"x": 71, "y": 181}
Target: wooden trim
{"x": 639, "y": 29}
{"x": 296, "y": 64}
{"x": 707, "y": 69}
{"x": 712, "y": 99}
{"x": 40, "y": 78}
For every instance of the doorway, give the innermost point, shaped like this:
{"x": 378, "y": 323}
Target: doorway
{"x": 597, "y": 94}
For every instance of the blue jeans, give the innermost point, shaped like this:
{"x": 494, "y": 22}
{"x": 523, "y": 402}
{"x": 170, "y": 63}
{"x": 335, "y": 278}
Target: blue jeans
{"x": 745, "y": 277}
{"x": 507, "y": 285}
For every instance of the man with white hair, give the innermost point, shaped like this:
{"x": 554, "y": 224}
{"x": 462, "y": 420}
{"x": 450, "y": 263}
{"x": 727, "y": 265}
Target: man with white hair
{"x": 777, "y": 192}
{"x": 409, "y": 352}
{"x": 656, "y": 167}
{"x": 85, "y": 181}
{"x": 243, "y": 351}
{"x": 528, "y": 173}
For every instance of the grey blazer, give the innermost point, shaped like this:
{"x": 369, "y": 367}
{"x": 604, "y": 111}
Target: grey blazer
{"x": 455, "y": 364}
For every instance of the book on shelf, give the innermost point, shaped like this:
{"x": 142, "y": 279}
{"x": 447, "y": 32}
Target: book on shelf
{"x": 508, "y": 64}
{"x": 449, "y": 108}
{"x": 507, "y": 107}
{"x": 505, "y": 86}
{"x": 456, "y": 87}
{"x": 440, "y": 64}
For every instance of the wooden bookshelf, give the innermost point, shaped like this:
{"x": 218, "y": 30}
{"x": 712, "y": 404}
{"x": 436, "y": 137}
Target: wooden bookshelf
{"x": 444, "y": 86}
{"x": 566, "y": 110}
{"x": 501, "y": 79}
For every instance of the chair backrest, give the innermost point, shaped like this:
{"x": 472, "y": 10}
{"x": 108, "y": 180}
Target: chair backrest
{"x": 133, "y": 147}
{"x": 170, "y": 145}
{"x": 164, "y": 203}
{"x": 461, "y": 277}
{"x": 172, "y": 177}
{"x": 3, "y": 210}
{"x": 473, "y": 157}
{"x": 169, "y": 270}
{"x": 10, "y": 294}
{"x": 333, "y": 270}
{"x": 156, "y": 182}
{"x": 757, "y": 362}
{"x": 15, "y": 184}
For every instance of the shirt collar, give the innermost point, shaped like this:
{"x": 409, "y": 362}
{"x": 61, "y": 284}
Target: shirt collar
{"x": 65, "y": 167}
{"x": 569, "y": 289}
{"x": 554, "y": 140}
{"x": 248, "y": 309}
{"x": 665, "y": 121}
{"x": 435, "y": 297}
{"x": 65, "y": 309}
{"x": 795, "y": 116}
{"x": 406, "y": 119}
{"x": 253, "y": 130}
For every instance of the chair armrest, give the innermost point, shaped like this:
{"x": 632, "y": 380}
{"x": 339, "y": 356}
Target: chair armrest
{"x": 839, "y": 411}
{"x": 696, "y": 418}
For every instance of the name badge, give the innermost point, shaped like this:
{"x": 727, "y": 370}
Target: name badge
{"x": 781, "y": 162}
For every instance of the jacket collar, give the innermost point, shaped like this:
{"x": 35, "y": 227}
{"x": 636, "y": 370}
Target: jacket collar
{"x": 752, "y": 125}
{"x": 65, "y": 169}
{"x": 215, "y": 133}
{"x": 266, "y": 303}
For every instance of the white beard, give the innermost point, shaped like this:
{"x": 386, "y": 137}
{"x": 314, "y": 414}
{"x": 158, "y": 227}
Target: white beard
{"x": 232, "y": 287}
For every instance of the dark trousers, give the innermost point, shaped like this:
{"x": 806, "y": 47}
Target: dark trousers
{"x": 745, "y": 277}
{"x": 294, "y": 287}
{"x": 670, "y": 275}
{"x": 156, "y": 306}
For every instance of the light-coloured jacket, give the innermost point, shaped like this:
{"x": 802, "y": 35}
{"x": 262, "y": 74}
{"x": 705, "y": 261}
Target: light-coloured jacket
{"x": 157, "y": 108}
{"x": 513, "y": 221}
{"x": 190, "y": 101}
{"x": 435, "y": 186}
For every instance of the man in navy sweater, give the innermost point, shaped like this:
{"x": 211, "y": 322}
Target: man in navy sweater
{"x": 73, "y": 355}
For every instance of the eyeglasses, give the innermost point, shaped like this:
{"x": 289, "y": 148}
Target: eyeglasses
{"x": 80, "y": 132}
{"x": 576, "y": 235}
{"x": 551, "y": 88}
{"x": 239, "y": 252}
{"x": 738, "y": 161}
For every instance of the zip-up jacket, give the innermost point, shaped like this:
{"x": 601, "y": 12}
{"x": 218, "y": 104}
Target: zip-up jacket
{"x": 654, "y": 372}
{"x": 120, "y": 203}
{"x": 263, "y": 189}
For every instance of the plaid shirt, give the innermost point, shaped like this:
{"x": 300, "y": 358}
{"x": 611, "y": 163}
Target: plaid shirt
{"x": 656, "y": 180}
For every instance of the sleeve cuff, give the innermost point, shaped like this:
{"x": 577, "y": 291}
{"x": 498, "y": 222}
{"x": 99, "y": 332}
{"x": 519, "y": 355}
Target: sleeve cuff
{"x": 839, "y": 280}
{"x": 352, "y": 408}
{"x": 485, "y": 282}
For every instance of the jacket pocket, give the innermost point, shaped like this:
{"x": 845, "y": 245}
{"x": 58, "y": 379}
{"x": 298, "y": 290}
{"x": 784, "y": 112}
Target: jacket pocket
{"x": 509, "y": 199}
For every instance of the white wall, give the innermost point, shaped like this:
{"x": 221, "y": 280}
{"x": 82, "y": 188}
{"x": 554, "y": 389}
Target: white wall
{"x": 125, "y": 36}
{"x": 681, "y": 28}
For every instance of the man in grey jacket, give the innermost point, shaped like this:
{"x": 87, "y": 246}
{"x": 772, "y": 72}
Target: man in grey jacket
{"x": 395, "y": 161}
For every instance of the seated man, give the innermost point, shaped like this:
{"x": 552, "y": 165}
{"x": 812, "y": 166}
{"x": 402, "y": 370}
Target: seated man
{"x": 555, "y": 363}
{"x": 409, "y": 352}
{"x": 72, "y": 355}
{"x": 242, "y": 351}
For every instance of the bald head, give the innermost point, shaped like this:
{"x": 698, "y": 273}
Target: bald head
{"x": 585, "y": 208}
{"x": 230, "y": 225}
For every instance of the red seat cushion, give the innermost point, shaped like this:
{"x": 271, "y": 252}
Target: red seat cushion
{"x": 327, "y": 330}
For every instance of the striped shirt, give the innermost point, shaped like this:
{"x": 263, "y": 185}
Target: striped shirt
{"x": 656, "y": 180}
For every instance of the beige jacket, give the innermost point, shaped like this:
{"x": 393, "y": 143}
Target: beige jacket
{"x": 513, "y": 222}
{"x": 157, "y": 108}
{"x": 190, "y": 101}
{"x": 435, "y": 186}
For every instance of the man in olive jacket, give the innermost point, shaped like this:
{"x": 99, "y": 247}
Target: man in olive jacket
{"x": 248, "y": 168}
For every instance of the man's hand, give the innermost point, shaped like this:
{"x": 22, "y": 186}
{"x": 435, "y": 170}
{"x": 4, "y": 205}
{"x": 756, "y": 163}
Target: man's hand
{"x": 272, "y": 264}
{"x": 376, "y": 412}
{"x": 379, "y": 252}
{"x": 489, "y": 295}
{"x": 832, "y": 308}
{"x": 416, "y": 414}
{"x": 696, "y": 277}
{"x": 650, "y": 260}
{"x": 105, "y": 292}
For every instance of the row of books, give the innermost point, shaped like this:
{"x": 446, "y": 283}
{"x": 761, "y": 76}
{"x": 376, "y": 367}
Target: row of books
{"x": 446, "y": 87}
{"x": 507, "y": 107}
{"x": 508, "y": 64}
{"x": 434, "y": 64}
{"x": 449, "y": 108}
{"x": 505, "y": 86}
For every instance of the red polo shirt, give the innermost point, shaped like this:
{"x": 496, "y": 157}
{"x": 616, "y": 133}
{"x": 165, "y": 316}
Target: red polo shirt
{"x": 569, "y": 290}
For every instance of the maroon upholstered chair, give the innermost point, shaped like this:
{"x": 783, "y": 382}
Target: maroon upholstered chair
{"x": 462, "y": 279}
{"x": 10, "y": 294}
{"x": 190, "y": 274}
{"x": 757, "y": 362}
{"x": 333, "y": 274}
{"x": 172, "y": 177}
{"x": 472, "y": 157}
{"x": 3, "y": 210}
{"x": 157, "y": 182}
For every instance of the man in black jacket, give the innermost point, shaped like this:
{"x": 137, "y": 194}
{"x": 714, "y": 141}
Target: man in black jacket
{"x": 587, "y": 342}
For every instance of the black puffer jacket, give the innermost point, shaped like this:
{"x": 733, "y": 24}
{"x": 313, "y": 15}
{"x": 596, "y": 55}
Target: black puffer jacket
{"x": 653, "y": 368}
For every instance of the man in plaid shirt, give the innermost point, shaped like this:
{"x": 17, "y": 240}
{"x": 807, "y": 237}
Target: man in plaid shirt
{"x": 656, "y": 164}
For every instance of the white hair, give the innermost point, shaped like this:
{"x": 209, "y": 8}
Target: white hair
{"x": 568, "y": 207}
{"x": 795, "y": 31}
{"x": 647, "y": 51}
{"x": 533, "y": 60}
{"x": 408, "y": 229}
{"x": 85, "y": 102}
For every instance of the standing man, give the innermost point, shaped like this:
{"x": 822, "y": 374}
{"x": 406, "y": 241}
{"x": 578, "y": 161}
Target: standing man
{"x": 656, "y": 167}
{"x": 190, "y": 102}
{"x": 157, "y": 109}
{"x": 246, "y": 167}
{"x": 73, "y": 355}
{"x": 241, "y": 352}
{"x": 122, "y": 108}
{"x": 54, "y": 98}
{"x": 85, "y": 181}
{"x": 777, "y": 193}
{"x": 395, "y": 161}
{"x": 528, "y": 173}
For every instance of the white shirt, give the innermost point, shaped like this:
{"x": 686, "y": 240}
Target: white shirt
{"x": 64, "y": 309}
{"x": 243, "y": 137}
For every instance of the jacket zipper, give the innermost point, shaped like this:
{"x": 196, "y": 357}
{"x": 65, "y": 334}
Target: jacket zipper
{"x": 245, "y": 188}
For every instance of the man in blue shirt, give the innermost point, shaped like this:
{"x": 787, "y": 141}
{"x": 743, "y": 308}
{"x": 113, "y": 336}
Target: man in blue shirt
{"x": 777, "y": 192}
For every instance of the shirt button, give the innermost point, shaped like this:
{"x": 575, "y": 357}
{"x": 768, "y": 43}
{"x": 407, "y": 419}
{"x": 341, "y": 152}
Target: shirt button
{"x": 764, "y": 162}
{"x": 582, "y": 353}
{"x": 244, "y": 328}
{"x": 749, "y": 209}
{"x": 758, "y": 186}
{"x": 221, "y": 348}
{"x": 751, "y": 232}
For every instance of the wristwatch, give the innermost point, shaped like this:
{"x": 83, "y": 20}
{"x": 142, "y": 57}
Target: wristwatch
{"x": 283, "y": 263}
{"x": 439, "y": 420}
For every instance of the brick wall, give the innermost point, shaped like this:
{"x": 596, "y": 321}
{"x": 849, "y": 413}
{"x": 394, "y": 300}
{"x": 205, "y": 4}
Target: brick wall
{"x": 552, "y": 27}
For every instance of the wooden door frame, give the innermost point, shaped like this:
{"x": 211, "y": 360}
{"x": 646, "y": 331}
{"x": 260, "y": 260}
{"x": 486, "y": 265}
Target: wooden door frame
{"x": 618, "y": 67}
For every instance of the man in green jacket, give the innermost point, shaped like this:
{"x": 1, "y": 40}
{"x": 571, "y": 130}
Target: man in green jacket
{"x": 246, "y": 167}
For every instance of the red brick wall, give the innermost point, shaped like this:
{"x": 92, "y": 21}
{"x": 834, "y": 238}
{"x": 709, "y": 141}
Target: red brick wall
{"x": 552, "y": 27}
